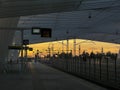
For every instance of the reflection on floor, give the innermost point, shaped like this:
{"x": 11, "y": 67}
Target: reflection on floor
{"x": 42, "y": 77}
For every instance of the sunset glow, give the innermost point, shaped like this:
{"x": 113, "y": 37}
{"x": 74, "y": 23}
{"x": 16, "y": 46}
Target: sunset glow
{"x": 75, "y": 45}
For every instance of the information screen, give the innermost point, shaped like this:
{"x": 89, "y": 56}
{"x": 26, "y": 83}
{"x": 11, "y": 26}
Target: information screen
{"x": 46, "y": 32}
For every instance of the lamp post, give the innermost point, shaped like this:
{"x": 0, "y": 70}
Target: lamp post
{"x": 79, "y": 50}
{"x": 36, "y": 54}
{"x": 67, "y": 46}
{"x": 74, "y": 46}
{"x": 62, "y": 47}
{"x": 63, "y": 44}
{"x": 22, "y": 32}
{"x": 86, "y": 41}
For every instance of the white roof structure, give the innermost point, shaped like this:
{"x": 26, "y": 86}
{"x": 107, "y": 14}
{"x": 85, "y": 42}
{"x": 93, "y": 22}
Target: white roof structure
{"x": 85, "y": 19}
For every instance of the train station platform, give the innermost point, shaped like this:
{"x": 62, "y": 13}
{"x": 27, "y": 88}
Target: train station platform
{"x": 42, "y": 77}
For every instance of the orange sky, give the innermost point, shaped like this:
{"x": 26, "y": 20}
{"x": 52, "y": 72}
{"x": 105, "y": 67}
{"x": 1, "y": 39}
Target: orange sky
{"x": 86, "y": 45}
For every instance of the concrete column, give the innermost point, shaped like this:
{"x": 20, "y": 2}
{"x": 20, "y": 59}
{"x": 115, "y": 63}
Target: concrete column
{"x": 6, "y": 36}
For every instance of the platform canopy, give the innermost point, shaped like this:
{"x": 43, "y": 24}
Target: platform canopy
{"x": 84, "y": 19}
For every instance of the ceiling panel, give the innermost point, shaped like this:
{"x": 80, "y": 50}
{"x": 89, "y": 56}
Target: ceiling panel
{"x": 85, "y": 19}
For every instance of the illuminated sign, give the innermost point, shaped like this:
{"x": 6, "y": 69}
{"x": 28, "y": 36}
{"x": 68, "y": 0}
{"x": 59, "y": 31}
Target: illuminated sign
{"x": 35, "y": 31}
{"x": 44, "y": 32}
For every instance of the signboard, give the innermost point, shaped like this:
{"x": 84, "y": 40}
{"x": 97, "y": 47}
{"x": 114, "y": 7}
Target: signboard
{"x": 20, "y": 47}
{"x": 25, "y": 42}
{"x": 46, "y": 32}
{"x": 30, "y": 49}
{"x": 15, "y": 47}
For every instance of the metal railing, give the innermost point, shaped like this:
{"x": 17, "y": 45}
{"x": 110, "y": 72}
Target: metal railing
{"x": 104, "y": 71}
{"x": 13, "y": 67}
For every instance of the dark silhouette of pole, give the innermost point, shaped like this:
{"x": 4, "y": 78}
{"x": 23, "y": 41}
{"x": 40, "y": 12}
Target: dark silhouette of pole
{"x": 79, "y": 49}
{"x": 62, "y": 47}
{"x": 22, "y": 32}
{"x": 67, "y": 46}
{"x": 74, "y": 47}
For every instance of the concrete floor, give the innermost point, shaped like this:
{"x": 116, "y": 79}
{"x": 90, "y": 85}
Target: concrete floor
{"x": 43, "y": 77}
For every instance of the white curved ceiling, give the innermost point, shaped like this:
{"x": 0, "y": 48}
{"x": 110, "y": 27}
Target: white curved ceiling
{"x": 10, "y": 8}
{"x": 85, "y": 19}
